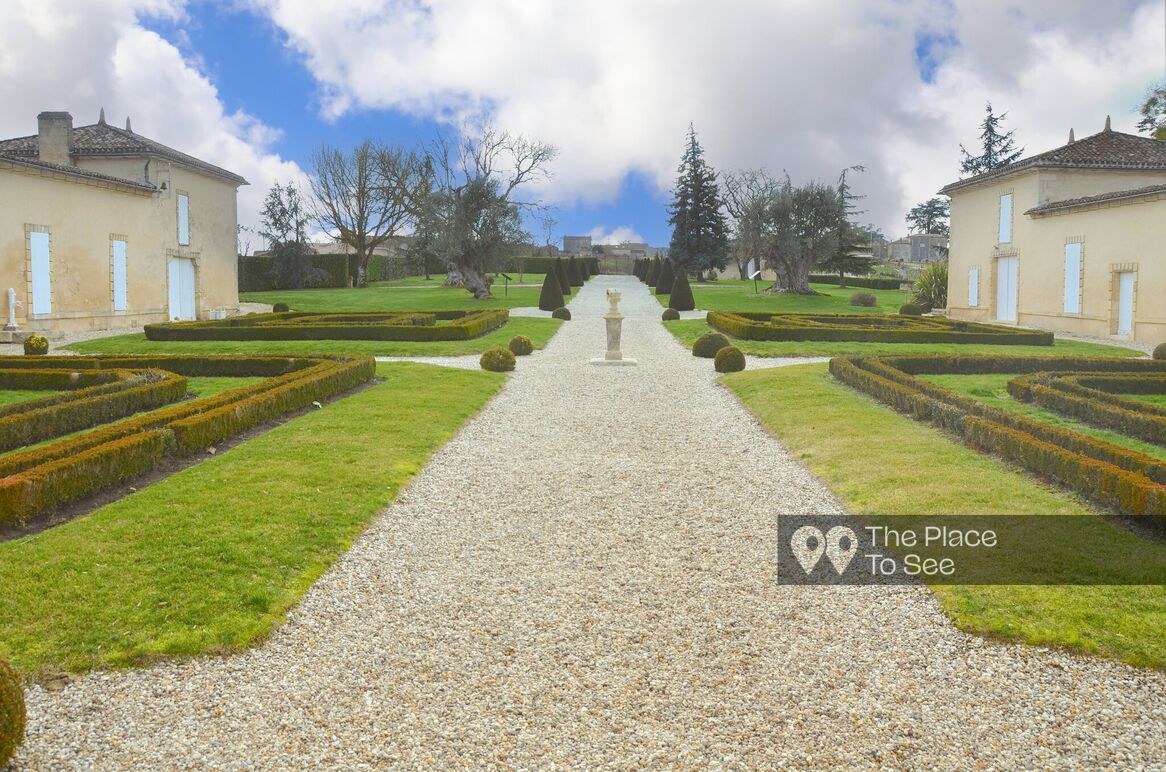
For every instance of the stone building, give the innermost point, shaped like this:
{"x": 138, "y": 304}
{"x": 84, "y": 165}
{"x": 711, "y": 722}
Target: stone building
{"x": 103, "y": 228}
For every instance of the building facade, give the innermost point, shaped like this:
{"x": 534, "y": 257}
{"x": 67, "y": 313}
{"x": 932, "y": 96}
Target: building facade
{"x": 1071, "y": 240}
{"x": 102, "y": 228}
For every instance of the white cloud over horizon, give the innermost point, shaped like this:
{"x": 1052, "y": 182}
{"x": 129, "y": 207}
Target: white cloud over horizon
{"x": 600, "y": 234}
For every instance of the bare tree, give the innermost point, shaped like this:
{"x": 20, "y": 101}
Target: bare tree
{"x": 368, "y": 195}
{"x": 473, "y": 213}
{"x": 548, "y": 223}
{"x": 743, "y": 191}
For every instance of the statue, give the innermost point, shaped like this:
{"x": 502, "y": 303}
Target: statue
{"x": 614, "y": 320}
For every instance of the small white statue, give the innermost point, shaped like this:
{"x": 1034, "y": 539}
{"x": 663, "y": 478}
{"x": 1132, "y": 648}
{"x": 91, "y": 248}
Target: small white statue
{"x": 613, "y": 297}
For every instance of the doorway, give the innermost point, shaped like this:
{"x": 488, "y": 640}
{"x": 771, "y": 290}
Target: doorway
{"x": 181, "y": 289}
{"x": 1125, "y": 302}
{"x": 1006, "y": 275}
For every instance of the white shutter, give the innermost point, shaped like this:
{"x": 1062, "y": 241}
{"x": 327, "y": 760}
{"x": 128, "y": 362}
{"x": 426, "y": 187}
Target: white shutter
{"x": 1072, "y": 278}
{"x": 974, "y": 287}
{"x": 119, "y": 275}
{"x": 1006, "y": 218}
{"x": 183, "y": 219}
{"x": 41, "y": 274}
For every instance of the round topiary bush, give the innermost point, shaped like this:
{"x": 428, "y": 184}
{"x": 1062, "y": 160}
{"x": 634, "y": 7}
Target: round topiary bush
{"x": 709, "y": 344}
{"x": 497, "y": 360}
{"x": 729, "y": 360}
{"x": 864, "y": 299}
{"x": 910, "y": 309}
{"x": 280, "y": 308}
{"x": 669, "y": 315}
{"x": 11, "y": 712}
{"x": 520, "y": 345}
{"x": 36, "y": 345}
{"x": 1160, "y": 351}
{"x": 561, "y": 313}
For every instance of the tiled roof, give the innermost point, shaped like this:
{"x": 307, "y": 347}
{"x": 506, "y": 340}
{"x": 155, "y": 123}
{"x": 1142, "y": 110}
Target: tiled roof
{"x": 1106, "y": 150}
{"x": 75, "y": 171}
{"x": 101, "y": 139}
{"x": 1117, "y": 195}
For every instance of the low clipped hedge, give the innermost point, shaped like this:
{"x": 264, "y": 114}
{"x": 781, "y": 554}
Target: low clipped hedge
{"x": 1116, "y": 477}
{"x": 12, "y": 716}
{"x": 866, "y": 282}
{"x": 42, "y": 478}
{"x": 53, "y": 380}
{"x": 1080, "y": 397}
{"x": 420, "y": 326}
{"x": 869, "y": 328}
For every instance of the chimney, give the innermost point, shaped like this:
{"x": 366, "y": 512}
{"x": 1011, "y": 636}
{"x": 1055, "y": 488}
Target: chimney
{"x": 55, "y": 138}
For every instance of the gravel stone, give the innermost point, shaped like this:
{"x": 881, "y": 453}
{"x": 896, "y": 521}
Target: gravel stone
{"x": 584, "y": 577}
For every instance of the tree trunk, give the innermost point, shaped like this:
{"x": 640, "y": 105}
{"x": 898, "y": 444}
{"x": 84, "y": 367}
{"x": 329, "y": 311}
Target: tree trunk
{"x": 842, "y": 279}
{"x": 362, "y": 271}
{"x": 471, "y": 279}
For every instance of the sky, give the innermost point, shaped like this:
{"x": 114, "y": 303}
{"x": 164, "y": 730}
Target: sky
{"x": 804, "y": 87}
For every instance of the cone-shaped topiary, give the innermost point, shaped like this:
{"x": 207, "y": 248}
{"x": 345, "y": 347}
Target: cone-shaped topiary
{"x": 910, "y": 309}
{"x": 585, "y": 269}
{"x": 665, "y": 279}
{"x": 669, "y": 315}
{"x": 1160, "y": 351}
{"x": 729, "y": 360}
{"x": 497, "y": 360}
{"x": 11, "y": 712}
{"x": 653, "y": 273}
{"x": 709, "y": 344}
{"x": 573, "y": 274}
{"x": 681, "y": 297}
{"x": 561, "y": 313}
{"x": 36, "y": 345}
{"x": 551, "y": 296}
{"x": 280, "y": 308}
{"x": 561, "y": 273}
{"x": 520, "y": 345}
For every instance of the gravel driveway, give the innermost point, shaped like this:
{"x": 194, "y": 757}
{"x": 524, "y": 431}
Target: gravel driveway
{"x": 583, "y": 577}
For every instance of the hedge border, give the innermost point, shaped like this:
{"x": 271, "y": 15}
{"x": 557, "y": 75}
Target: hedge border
{"x": 417, "y": 326}
{"x": 1060, "y": 392}
{"x": 1132, "y": 482}
{"x": 43, "y": 478}
{"x": 866, "y": 282}
{"x": 861, "y": 328}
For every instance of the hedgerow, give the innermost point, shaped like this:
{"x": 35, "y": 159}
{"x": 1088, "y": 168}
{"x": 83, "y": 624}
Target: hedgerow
{"x": 869, "y": 328}
{"x": 395, "y": 326}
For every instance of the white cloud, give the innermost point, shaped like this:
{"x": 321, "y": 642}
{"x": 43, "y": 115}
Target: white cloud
{"x": 805, "y": 87}
{"x": 601, "y": 235}
{"x": 82, "y": 55}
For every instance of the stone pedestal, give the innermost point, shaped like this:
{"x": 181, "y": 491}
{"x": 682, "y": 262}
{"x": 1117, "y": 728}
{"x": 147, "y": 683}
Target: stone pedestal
{"x": 614, "y": 321}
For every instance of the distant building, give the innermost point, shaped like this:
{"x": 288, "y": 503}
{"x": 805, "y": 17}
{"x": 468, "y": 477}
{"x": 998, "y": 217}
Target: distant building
{"x": 918, "y": 248}
{"x": 577, "y": 245}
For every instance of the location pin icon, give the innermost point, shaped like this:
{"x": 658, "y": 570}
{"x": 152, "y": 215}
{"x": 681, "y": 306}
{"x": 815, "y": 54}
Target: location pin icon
{"x": 799, "y": 544}
{"x": 840, "y": 558}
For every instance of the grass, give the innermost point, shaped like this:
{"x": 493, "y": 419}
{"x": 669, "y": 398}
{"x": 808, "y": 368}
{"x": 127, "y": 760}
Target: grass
{"x": 436, "y": 280}
{"x": 688, "y": 330}
{"x": 211, "y": 558}
{"x": 993, "y": 389}
{"x": 10, "y": 396}
{"x": 539, "y": 331}
{"x": 918, "y": 470}
{"x": 391, "y": 296}
{"x": 737, "y": 295}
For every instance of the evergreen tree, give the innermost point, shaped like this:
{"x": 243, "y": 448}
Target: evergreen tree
{"x": 653, "y": 272}
{"x": 1153, "y": 112}
{"x": 846, "y": 256}
{"x": 666, "y": 277}
{"x": 700, "y": 234}
{"x": 930, "y": 217}
{"x": 551, "y": 296}
{"x": 681, "y": 298}
{"x": 573, "y": 274}
{"x": 999, "y": 149}
{"x": 561, "y": 273}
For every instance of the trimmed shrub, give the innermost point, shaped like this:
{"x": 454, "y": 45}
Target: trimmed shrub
{"x": 864, "y": 299}
{"x": 910, "y": 309}
{"x": 665, "y": 278}
{"x": 681, "y": 296}
{"x": 865, "y": 282}
{"x": 561, "y": 273}
{"x": 551, "y": 296}
{"x": 561, "y": 313}
{"x": 669, "y": 315}
{"x": 585, "y": 269}
{"x": 36, "y": 345}
{"x": 709, "y": 344}
{"x": 520, "y": 345}
{"x": 382, "y": 325}
{"x": 869, "y": 328}
{"x": 573, "y": 274}
{"x": 11, "y": 712}
{"x": 497, "y": 360}
{"x": 730, "y": 359}
{"x": 280, "y": 308}
{"x": 1160, "y": 351}
{"x": 653, "y": 273}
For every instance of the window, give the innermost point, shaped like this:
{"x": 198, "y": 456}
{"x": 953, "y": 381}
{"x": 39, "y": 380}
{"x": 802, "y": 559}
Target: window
{"x": 974, "y": 287}
{"x": 41, "y": 273}
{"x": 119, "y": 275}
{"x": 1005, "y": 219}
{"x": 1072, "y": 278}
{"x": 183, "y": 219}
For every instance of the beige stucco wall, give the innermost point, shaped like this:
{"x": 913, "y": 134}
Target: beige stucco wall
{"x": 82, "y": 218}
{"x": 1126, "y": 236}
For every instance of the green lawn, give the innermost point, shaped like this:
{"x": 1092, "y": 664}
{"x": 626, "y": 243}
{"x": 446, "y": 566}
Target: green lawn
{"x": 737, "y": 295}
{"x": 919, "y": 470}
{"x": 539, "y": 331}
{"x": 212, "y": 558}
{"x": 993, "y": 389}
{"x": 688, "y": 330}
{"x": 418, "y": 295}
{"x": 8, "y": 396}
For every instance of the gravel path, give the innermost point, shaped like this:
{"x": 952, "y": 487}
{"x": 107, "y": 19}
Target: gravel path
{"x": 583, "y": 577}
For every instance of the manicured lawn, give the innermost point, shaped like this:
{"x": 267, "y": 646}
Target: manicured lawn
{"x": 737, "y": 295}
{"x": 389, "y": 296}
{"x": 538, "y": 330}
{"x": 212, "y": 558}
{"x": 8, "y": 396}
{"x": 916, "y": 469}
{"x": 993, "y": 389}
{"x": 1153, "y": 399}
{"x": 688, "y": 330}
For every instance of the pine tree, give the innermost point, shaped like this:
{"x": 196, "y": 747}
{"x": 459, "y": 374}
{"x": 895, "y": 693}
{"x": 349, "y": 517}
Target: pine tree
{"x": 551, "y": 296}
{"x": 846, "y": 257}
{"x": 700, "y": 233}
{"x": 999, "y": 149}
{"x": 681, "y": 297}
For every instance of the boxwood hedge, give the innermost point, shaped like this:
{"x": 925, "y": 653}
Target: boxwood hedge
{"x": 299, "y": 325}
{"x": 870, "y": 328}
